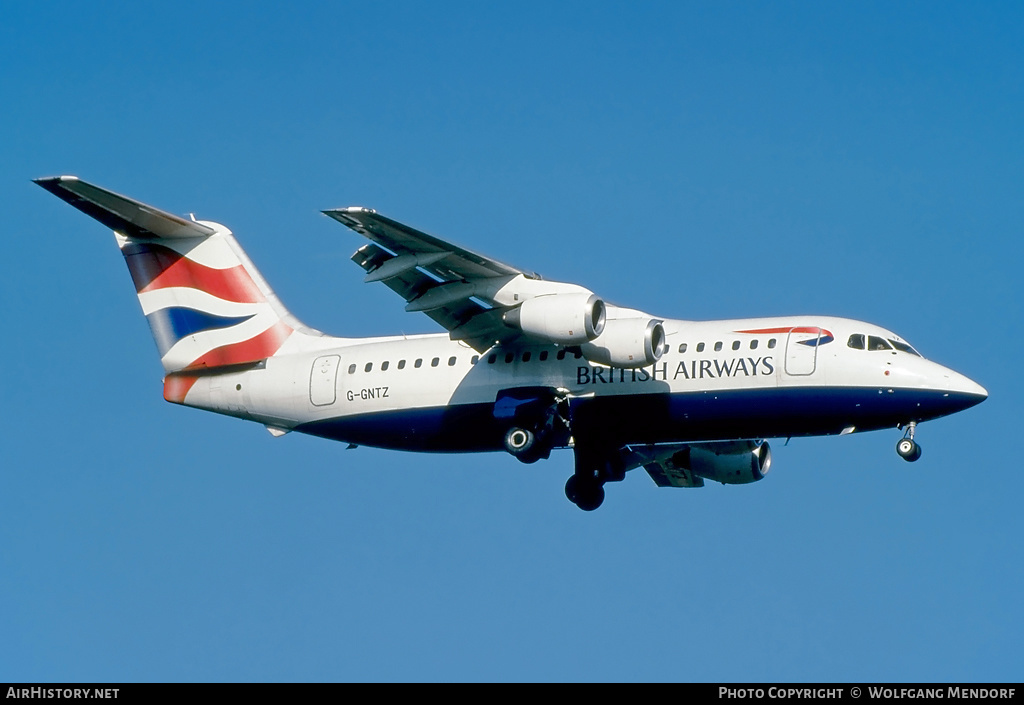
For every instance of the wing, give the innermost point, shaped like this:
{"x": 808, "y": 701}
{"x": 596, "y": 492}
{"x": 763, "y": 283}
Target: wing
{"x": 485, "y": 302}
{"x": 664, "y": 464}
{"x": 465, "y": 292}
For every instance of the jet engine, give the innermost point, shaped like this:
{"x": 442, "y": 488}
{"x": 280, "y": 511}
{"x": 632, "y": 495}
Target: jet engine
{"x": 729, "y": 463}
{"x": 565, "y": 319}
{"x": 627, "y": 342}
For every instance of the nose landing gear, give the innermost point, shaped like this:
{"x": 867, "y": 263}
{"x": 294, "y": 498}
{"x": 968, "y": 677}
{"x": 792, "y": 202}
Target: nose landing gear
{"x": 907, "y": 448}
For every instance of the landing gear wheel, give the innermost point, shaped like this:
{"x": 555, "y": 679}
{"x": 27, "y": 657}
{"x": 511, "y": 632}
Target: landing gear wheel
{"x": 519, "y": 442}
{"x": 908, "y": 449}
{"x": 570, "y": 488}
{"x": 586, "y": 494}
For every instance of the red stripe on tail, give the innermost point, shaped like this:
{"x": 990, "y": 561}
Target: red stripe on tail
{"x": 253, "y": 350}
{"x": 232, "y": 284}
{"x": 176, "y": 386}
{"x": 157, "y": 267}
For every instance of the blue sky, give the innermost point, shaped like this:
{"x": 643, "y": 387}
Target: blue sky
{"x": 705, "y": 160}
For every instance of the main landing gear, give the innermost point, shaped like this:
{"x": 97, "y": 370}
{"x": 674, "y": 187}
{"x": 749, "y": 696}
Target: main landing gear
{"x": 585, "y": 492}
{"x": 907, "y": 448}
{"x": 522, "y": 443}
{"x": 539, "y": 418}
{"x": 595, "y": 465}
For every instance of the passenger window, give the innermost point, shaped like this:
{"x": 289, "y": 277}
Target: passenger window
{"x": 543, "y": 355}
{"x": 577, "y": 354}
{"x": 475, "y": 359}
{"x": 435, "y": 362}
{"x": 682, "y": 347}
{"x": 718, "y": 347}
{"x": 491, "y": 358}
{"x": 753, "y": 344}
{"x": 771, "y": 342}
{"x": 876, "y": 343}
{"x": 451, "y": 362}
{"x": 384, "y": 366}
{"x": 560, "y": 355}
{"x": 700, "y": 347}
{"x": 418, "y": 363}
{"x": 856, "y": 341}
{"x": 369, "y": 366}
{"x": 401, "y": 364}
{"x": 509, "y": 357}
{"x": 352, "y": 369}
{"x": 526, "y": 356}
{"x": 735, "y": 345}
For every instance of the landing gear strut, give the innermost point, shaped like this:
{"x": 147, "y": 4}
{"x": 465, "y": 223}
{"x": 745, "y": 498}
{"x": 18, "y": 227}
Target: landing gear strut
{"x": 907, "y": 448}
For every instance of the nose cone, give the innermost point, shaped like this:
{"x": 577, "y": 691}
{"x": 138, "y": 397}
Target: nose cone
{"x": 964, "y": 390}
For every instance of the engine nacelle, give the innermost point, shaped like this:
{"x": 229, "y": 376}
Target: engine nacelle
{"x": 627, "y": 342}
{"x": 729, "y": 463}
{"x": 565, "y": 319}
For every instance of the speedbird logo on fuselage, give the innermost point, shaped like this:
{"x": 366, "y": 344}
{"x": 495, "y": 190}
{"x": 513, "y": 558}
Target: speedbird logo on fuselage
{"x": 823, "y": 336}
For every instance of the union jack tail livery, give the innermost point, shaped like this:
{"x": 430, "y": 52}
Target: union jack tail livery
{"x": 207, "y": 305}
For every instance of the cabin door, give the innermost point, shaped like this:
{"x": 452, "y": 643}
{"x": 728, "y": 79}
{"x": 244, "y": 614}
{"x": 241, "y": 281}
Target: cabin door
{"x": 802, "y": 351}
{"x": 323, "y": 380}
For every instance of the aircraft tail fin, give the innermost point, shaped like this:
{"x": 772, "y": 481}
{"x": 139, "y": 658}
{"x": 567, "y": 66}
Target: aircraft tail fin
{"x": 206, "y": 303}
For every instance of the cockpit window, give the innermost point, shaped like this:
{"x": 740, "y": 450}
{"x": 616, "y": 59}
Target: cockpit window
{"x": 903, "y": 347}
{"x": 856, "y": 341}
{"x": 876, "y": 343}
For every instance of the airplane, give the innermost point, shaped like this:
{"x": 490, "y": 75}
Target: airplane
{"x": 527, "y": 365}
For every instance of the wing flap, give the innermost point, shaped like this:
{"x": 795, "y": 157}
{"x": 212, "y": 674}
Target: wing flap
{"x": 120, "y": 213}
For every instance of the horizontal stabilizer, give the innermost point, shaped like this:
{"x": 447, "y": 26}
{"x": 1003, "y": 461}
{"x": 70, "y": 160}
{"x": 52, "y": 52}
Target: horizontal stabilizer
{"x": 120, "y": 213}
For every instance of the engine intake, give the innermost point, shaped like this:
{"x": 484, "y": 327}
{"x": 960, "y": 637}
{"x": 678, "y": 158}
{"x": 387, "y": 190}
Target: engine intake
{"x": 627, "y": 342}
{"x": 565, "y": 319}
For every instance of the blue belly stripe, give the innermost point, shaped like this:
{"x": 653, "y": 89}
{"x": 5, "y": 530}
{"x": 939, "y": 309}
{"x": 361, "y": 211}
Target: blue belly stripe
{"x": 617, "y": 420}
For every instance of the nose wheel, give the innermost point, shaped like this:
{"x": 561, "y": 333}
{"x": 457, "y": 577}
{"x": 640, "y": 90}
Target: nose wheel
{"x": 907, "y": 448}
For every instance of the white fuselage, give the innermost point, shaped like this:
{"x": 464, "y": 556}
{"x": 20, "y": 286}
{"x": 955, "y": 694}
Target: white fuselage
{"x": 716, "y": 380}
